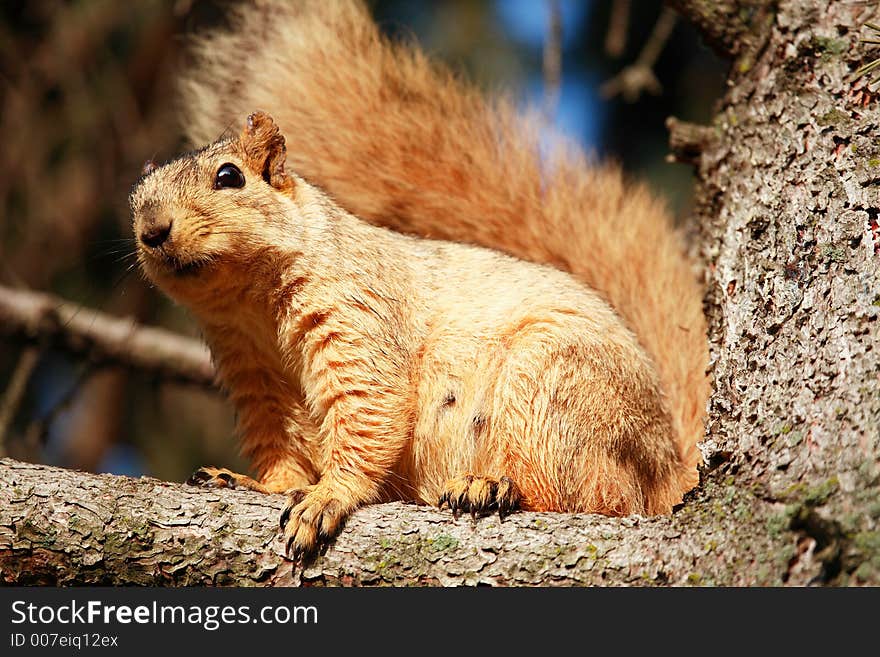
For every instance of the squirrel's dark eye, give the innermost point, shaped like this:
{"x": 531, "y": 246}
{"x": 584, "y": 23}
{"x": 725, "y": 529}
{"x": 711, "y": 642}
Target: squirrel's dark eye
{"x": 228, "y": 175}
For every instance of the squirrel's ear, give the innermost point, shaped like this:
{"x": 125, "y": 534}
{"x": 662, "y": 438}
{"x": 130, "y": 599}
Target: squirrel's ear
{"x": 265, "y": 151}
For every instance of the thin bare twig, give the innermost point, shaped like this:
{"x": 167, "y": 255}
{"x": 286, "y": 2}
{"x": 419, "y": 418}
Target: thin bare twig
{"x": 639, "y": 77}
{"x": 102, "y": 338}
{"x": 553, "y": 60}
{"x": 615, "y": 38}
{"x": 12, "y": 398}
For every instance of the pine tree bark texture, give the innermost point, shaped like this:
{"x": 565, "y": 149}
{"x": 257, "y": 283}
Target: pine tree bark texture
{"x": 786, "y": 222}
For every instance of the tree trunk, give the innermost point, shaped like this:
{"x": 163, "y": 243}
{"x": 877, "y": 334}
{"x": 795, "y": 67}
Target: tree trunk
{"x": 787, "y": 224}
{"x": 787, "y": 217}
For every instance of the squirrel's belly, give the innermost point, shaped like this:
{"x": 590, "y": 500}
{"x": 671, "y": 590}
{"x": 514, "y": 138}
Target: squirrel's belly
{"x": 551, "y": 402}
{"x": 461, "y": 421}
{"x": 453, "y": 412}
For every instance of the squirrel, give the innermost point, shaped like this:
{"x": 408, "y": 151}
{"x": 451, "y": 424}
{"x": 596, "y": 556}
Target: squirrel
{"x": 406, "y": 297}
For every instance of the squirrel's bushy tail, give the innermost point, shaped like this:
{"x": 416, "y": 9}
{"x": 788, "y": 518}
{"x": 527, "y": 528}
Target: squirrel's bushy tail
{"x": 401, "y": 142}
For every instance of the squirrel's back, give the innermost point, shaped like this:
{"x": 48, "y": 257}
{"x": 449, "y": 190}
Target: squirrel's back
{"x": 402, "y": 143}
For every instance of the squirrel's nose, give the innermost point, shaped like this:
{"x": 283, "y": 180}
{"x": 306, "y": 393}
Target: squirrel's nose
{"x": 156, "y": 232}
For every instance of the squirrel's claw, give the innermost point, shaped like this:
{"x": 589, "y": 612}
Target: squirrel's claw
{"x": 210, "y": 477}
{"x": 294, "y": 497}
{"x": 310, "y": 519}
{"x": 214, "y": 478}
{"x": 480, "y": 495}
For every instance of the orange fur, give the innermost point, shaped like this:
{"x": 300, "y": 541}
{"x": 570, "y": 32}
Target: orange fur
{"x": 368, "y": 365}
{"x": 400, "y": 142}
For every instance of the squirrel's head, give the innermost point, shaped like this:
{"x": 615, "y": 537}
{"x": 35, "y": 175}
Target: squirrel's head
{"x": 215, "y": 210}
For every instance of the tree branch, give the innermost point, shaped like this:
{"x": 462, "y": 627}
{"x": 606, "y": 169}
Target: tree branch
{"x": 61, "y": 527}
{"x": 726, "y": 25}
{"x": 45, "y": 319}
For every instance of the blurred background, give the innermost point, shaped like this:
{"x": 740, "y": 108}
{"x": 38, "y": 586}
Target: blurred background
{"x": 87, "y": 95}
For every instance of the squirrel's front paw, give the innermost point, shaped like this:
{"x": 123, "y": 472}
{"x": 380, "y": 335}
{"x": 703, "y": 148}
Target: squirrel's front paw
{"x": 310, "y": 519}
{"x": 479, "y": 495}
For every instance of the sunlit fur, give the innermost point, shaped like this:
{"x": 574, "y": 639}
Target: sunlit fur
{"x": 581, "y": 414}
{"x": 400, "y": 142}
{"x": 379, "y": 365}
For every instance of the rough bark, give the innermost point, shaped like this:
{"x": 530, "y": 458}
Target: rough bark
{"x": 787, "y": 202}
{"x": 63, "y": 527}
{"x": 788, "y": 228}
